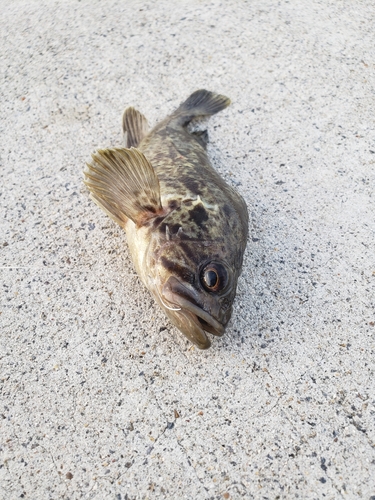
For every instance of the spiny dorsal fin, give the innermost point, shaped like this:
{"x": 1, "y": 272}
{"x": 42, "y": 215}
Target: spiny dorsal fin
{"x": 124, "y": 184}
{"x": 201, "y": 103}
{"x": 135, "y": 126}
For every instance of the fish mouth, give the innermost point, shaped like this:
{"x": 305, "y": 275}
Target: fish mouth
{"x": 197, "y": 321}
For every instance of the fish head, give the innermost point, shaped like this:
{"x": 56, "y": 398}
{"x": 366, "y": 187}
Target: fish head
{"x": 195, "y": 283}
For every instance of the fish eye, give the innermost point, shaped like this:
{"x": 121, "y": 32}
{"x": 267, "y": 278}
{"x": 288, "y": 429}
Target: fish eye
{"x": 214, "y": 277}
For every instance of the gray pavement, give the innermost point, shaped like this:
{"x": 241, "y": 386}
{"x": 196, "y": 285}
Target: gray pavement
{"x": 101, "y": 398}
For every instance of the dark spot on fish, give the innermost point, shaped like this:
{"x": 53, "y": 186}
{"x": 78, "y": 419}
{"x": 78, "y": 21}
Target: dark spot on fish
{"x": 192, "y": 184}
{"x": 183, "y": 272}
{"x": 227, "y": 210}
{"x": 199, "y": 215}
{"x": 150, "y": 208}
{"x": 168, "y": 264}
{"x": 184, "y": 217}
{"x": 172, "y": 204}
{"x": 189, "y": 251}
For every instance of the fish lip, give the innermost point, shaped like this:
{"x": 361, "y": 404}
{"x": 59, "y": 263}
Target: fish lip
{"x": 172, "y": 292}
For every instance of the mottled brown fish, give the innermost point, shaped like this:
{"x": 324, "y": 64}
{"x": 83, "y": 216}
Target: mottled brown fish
{"x": 186, "y": 228}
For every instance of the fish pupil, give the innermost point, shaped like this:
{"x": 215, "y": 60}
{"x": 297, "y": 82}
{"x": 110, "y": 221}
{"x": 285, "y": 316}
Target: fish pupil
{"x": 211, "y": 278}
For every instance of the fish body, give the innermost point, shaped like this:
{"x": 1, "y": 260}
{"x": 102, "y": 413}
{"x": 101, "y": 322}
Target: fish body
{"x": 186, "y": 228}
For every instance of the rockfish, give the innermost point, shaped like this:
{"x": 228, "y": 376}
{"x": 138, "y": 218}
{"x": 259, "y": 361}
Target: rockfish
{"x": 186, "y": 227}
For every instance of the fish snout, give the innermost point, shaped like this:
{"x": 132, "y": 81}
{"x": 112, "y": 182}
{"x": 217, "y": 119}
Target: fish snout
{"x": 210, "y": 317}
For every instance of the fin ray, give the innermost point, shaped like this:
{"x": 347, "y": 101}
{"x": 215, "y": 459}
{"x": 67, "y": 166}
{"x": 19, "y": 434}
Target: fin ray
{"x": 201, "y": 103}
{"x": 124, "y": 184}
{"x": 135, "y": 126}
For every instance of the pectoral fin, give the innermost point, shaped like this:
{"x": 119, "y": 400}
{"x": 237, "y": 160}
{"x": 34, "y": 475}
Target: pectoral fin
{"x": 123, "y": 183}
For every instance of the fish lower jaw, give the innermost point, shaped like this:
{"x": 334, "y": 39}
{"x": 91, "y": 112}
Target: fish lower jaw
{"x": 209, "y": 328}
{"x": 189, "y": 325}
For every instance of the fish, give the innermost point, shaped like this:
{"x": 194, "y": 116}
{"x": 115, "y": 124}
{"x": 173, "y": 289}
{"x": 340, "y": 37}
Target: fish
{"x": 186, "y": 227}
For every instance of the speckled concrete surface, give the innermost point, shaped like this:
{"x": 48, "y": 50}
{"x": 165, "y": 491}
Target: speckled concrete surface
{"x": 100, "y": 396}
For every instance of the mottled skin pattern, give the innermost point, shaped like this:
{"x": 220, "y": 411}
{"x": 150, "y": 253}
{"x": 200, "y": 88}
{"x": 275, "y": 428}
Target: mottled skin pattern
{"x": 207, "y": 221}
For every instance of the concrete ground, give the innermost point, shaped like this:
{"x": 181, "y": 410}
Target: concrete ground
{"x": 101, "y": 398}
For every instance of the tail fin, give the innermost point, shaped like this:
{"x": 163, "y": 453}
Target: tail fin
{"x": 200, "y": 104}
